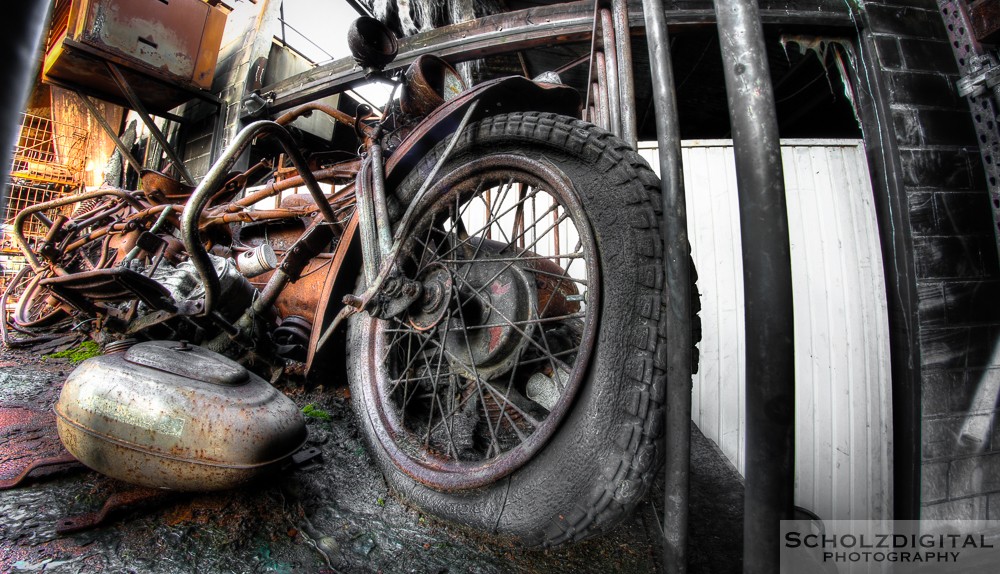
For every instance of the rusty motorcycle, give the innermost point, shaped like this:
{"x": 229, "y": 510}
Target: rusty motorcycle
{"x": 487, "y": 270}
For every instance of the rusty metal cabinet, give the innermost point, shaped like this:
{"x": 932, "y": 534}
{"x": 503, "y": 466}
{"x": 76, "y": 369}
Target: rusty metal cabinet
{"x": 167, "y": 48}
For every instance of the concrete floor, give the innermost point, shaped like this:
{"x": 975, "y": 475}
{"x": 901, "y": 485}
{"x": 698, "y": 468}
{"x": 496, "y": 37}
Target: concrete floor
{"x": 334, "y": 515}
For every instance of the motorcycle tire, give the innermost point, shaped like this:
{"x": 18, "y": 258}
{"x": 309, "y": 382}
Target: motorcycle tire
{"x": 543, "y": 471}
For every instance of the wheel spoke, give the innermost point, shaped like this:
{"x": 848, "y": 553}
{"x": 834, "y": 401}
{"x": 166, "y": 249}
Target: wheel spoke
{"x": 492, "y": 254}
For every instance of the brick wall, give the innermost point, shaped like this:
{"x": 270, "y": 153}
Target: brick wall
{"x": 955, "y": 268}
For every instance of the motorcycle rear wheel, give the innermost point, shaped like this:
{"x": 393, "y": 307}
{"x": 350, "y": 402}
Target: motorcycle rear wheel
{"x": 523, "y": 393}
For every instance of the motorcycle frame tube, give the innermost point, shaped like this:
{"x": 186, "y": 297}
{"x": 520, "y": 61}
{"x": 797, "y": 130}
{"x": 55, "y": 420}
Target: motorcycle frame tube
{"x": 216, "y": 177}
{"x": 677, "y": 293}
{"x": 770, "y": 357}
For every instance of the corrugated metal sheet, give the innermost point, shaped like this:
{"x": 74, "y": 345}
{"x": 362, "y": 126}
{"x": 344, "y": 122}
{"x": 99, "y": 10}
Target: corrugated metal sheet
{"x": 843, "y": 417}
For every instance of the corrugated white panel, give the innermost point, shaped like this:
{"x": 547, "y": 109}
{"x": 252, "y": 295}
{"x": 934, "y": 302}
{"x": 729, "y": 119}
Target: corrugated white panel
{"x": 843, "y": 418}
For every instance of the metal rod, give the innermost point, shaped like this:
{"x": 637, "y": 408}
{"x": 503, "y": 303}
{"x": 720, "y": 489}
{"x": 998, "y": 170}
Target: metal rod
{"x": 602, "y": 90}
{"x": 573, "y": 64}
{"x": 611, "y": 73}
{"x": 590, "y": 67}
{"x": 217, "y": 176}
{"x": 103, "y": 122}
{"x": 140, "y": 109}
{"x": 770, "y": 360}
{"x": 678, "y": 291}
{"x": 626, "y": 79}
{"x": 595, "y": 106}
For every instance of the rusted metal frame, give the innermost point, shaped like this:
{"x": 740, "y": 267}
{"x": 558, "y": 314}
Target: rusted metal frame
{"x": 93, "y": 216}
{"x": 136, "y": 104}
{"x": 122, "y": 225}
{"x": 626, "y": 77}
{"x": 112, "y": 133}
{"x": 306, "y": 109}
{"x": 590, "y": 67}
{"x": 157, "y": 225}
{"x": 256, "y": 215}
{"x": 610, "y": 49}
{"x": 216, "y": 177}
{"x": 275, "y": 187}
{"x": 508, "y": 33}
{"x": 24, "y": 214}
{"x": 767, "y": 277}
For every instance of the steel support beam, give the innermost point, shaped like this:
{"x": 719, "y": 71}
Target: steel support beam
{"x": 136, "y": 104}
{"x": 678, "y": 291}
{"x": 112, "y": 133}
{"x": 767, "y": 279}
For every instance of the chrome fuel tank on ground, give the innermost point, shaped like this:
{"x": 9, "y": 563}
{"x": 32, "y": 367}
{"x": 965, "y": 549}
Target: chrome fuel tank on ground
{"x": 170, "y": 415}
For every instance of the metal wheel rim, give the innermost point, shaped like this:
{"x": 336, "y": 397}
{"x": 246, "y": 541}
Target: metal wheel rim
{"x": 448, "y": 473}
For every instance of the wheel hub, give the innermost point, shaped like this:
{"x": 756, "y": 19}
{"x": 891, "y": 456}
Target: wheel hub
{"x": 493, "y": 323}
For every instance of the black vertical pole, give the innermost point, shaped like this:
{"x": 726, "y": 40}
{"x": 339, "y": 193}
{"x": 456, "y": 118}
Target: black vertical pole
{"x": 767, "y": 278}
{"x": 21, "y": 45}
{"x": 678, "y": 291}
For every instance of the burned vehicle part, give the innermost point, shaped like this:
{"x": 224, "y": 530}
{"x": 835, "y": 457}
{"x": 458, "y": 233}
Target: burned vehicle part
{"x": 459, "y": 271}
{"x": 167, "y": 414}
{"x": 443, "y": 398}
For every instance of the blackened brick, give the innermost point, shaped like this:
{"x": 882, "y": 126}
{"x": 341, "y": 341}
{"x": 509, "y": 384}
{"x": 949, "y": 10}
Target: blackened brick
{"x": 929, "y": 56}
{"x": 918, "y": 127}
{"x": 923, "y": 221}
{"x": 974, "y": 476}
{"x": 943, "y": 348}
{"x": 941, "y": 169}
{"x": 951, "y": 436}
{"x": 924, "y": 89}
{"x": 972, "y": 393}
{"x": 973, "y": 508}
{"x": 936, "y": 390}
{"x": 934, "y": 482}
{"x": 912, "y": 22}
{"x": 994, "y": 507}
{"x": 972, "y": 302}
{"x": 930, "y": 303}
{"x": 984, "y": 342}
{"x": 949, "y": 257}
{"x": 887, "y": 48}
{"x": 964, "y": 214}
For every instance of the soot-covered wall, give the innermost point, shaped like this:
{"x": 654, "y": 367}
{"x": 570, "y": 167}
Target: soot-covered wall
{"x": 942, "y": 267}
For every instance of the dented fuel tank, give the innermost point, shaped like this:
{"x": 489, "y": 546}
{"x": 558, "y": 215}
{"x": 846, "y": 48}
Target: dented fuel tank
{"x": 166, "y": 414}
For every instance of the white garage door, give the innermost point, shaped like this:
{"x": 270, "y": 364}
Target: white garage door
{"x": 843, "y": 409}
